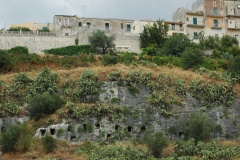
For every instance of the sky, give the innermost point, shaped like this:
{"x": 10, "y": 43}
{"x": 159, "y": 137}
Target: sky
{"x": 42, "y": 11}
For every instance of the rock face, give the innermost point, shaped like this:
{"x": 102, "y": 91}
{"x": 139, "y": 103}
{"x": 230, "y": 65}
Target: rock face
{"x": 139, "y": 117}
{"x": 8, "y": 121}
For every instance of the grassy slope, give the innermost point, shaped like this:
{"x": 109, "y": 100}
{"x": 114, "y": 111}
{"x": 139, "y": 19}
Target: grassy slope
{"x": 67, "y": 151}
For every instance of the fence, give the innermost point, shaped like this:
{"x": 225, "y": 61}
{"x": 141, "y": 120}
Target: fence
{"x": 26, "y": 33}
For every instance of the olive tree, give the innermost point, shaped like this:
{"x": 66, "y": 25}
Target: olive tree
{"x": 99, "y": 40}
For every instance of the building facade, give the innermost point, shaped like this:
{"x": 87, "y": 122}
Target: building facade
{"x": 73, "y": 25}
{"x": 193, "y": 22}
{"x": 212, "y": 17}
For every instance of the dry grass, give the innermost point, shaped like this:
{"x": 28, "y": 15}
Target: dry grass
{"x": 64, "y": 151}
{"x": 103, "y": 71}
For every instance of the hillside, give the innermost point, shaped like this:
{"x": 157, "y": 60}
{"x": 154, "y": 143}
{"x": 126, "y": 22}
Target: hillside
{"x": 104, "y": 101}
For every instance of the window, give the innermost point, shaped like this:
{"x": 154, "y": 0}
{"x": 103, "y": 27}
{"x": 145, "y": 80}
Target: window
{"x": 60, "y": 21}
{"x": 79, "y": 24}
{"x": 173, "y": 26}
{"x": 66, "y": 22}
{"x": 187, "y": 19}
{"x": 230, "y": 22}
{"x": 66, "y": 34}
{"x": 107, "y": 26}
{"x": 215, "y": 11}
{"x": 128, "y": 27}
{"x": 195, "y": 21}
{"x": 88, "y": 24}
{"x": 215, "y": 21}
{"x": 195, "y": 35}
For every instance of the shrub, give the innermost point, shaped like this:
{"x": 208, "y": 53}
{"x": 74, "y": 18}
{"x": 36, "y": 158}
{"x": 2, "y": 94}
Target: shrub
{"x": 156, "y": 143}
{"x": 127, "y": 58}
{"x": 9, "y": 138}
{"x": 16, "y": 137}
{"x": 234, "y": 66}
{"x": 6, "y": 62}
{"x": 198, "y": 126}
{"x": 25, "y": 138}
{"x": 19, "y": 50}
{"x": 44, "y": 104}
{"x": 49, "y": 143}
{"x": 192, "y": 58}
{"x": 70, "y": 50}
{"x": 109, "y": 60}
{"x": 46, "y": 82}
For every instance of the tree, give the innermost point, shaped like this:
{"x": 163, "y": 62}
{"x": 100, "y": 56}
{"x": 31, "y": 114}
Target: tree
{"x": 156, "y": 143}
{"x": 156, "y": 34}
{"x": 99, "y": 39}
{"x": 49, "y": 143}
{"x": 19, "y": 28}
{"x": 198, "y": 126}
{"x": 44, "y": 104}
{"x": 192, "y": 58}
{"x": 228, "y": 41}
{"x": 176, "y": 44}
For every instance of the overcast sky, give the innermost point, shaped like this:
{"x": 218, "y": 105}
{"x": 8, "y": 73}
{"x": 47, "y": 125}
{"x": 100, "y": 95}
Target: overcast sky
{"x": 42, "y": 11}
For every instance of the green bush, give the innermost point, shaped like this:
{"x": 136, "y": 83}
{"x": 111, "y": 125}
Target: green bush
{"x": 17, "y": 138}
{"x": 9, "y": 138}
{"x": 156, "y": 143}
{"x": 198, "y": 126}
{"x": 19, "y": 50}
{"x": 234, "y": 68}
{"x": 70, "y": 50}
{"x": 6, "y": 62}
{"x": 192, "y": 58}
{"x": 127, "y": 58}
{"x": 44, "y": 104}
{"x": 109, "y": 60}
{"x": 215, "y": 64}
{"x": 49, "y": 143}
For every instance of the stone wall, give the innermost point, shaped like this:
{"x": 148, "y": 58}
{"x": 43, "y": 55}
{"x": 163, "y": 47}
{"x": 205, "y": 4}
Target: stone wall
{"x": 142, "y": 118}
{"x": 36, "y": 44}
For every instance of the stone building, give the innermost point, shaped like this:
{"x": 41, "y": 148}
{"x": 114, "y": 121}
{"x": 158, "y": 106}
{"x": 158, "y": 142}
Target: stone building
{"x": 232, "y": 17}
{"x": 193, "y": 22}
{"x": 174, "y": 27}
{"x": 213, "y": 17}
{"x": 73, "y": 25}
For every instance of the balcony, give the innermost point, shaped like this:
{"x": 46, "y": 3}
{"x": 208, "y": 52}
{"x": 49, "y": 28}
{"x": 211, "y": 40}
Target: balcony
{"x": 216, "y": 27}
{"x": 214, "y": 15}
{"x": 233, "y": 16}
{"x": 234, "y": 27}
{"x": 199, "y": 24}
{"x": 195, "y": 13}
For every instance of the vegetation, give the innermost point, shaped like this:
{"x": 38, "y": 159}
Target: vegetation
{"x": 49, "y": 143}
{"x": 212, "y": 81}
{"x": 99, "y": 40}
{"x": 156, "y": 143}
{"x": 70, "y": 50}
{"x": 44, "y": 104}
{"x": 19, "y": 28}
{"x": 156, "y": 34}
{"x": 192, "y": 58}
{"x": 198, "y": 126}
{"x": 16, "y": 138}
{"x": 19, "y": 50}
